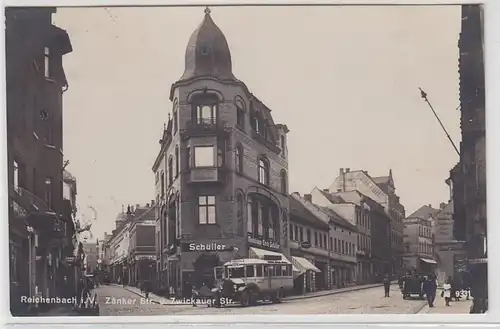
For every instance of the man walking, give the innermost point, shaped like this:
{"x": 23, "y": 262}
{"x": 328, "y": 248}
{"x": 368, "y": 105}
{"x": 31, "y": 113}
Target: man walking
{"x": 387, "y": 285}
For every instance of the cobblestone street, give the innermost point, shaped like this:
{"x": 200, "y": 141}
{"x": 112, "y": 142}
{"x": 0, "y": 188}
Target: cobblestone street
{"x": 115, "y": 300}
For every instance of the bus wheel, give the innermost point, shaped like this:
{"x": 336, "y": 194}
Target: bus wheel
{"x": 244, "y": 300}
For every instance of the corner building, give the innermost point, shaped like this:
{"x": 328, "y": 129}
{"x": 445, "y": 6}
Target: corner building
{"x": 222, "y": 171}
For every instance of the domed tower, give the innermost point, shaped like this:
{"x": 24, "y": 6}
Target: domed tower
{"x": 207, "y": 52}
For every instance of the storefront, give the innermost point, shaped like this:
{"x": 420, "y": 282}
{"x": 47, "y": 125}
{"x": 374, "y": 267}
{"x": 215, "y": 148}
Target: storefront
{"x": 305, "y": 273}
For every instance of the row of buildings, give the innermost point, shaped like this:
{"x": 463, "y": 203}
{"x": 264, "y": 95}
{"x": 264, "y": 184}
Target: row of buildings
{"x": 221, "y": 192}
{"x": 45, "y": 253}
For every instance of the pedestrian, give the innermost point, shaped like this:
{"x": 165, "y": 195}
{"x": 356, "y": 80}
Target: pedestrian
{"x": 387, "y": 285}
{"x": 446, "y": 293}
{"x": 430, "y": 287}
{"x": 145, "y": 288}
{"x": 194, "y": 296}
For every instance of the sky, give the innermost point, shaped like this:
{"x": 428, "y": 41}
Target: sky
{"x": 344, "y": 79}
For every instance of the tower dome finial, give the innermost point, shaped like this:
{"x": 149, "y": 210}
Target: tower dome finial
{"x": 207, "y": 10}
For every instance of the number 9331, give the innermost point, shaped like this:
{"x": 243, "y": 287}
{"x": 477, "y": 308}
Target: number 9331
{"x": 462, "y": 294}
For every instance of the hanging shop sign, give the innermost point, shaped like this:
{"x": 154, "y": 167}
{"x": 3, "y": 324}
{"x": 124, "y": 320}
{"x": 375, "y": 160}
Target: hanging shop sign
{"x": 264, "y": 243}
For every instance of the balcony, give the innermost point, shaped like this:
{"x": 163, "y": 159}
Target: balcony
{"x": 206, "y": 175}
{"x": 205, "y": 127}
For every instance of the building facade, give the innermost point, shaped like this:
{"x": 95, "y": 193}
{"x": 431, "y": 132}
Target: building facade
{"x": 91, "y": 251}
{"x": 382, "y": 190}
{"x": 470, "y": 176}
{"x": 351, "y": 206}
{"x": 119, "y": 248}
{"x": 449, "y": 253}
{"x": 342, "y": 239}
{"x": 419, "y": 240}
{"x": 38, "y": 228}
{"x": 222, "y": 169}
{"x": 141, "y": 254}
{"x": 309, "y": 248}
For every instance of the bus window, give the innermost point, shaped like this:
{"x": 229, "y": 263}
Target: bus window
{"x": 236, "y": 272}
{"x": 259, "y": 270}
{"x": 250, "y": 271}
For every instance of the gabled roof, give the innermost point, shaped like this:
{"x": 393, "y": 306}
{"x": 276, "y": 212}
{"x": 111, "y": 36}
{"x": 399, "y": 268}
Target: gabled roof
{"x": 297, "y": 209}
{"x": 337, "y": 219}
{"x": 424, "y": 212}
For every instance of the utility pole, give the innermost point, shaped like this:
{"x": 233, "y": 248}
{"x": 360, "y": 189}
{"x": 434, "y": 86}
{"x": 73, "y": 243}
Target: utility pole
{"x": 423, "y": 94}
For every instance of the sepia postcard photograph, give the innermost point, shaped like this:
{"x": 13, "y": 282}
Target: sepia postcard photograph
{"x": 259, "y": 160}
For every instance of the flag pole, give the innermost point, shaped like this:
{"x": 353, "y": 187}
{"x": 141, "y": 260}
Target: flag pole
{"x": 424, "y": 96}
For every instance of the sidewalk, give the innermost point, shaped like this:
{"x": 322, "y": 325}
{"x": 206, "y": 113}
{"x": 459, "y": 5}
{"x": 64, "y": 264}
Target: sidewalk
{"x": 460, "y": 307}
{"x": 167, "y": 301}
{"x": 335, "y": 291}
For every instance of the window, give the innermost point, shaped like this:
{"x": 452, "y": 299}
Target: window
{"x": 308, "y": 235}
{"x": 335, "y": 244}
{"x": 324, "y": 241}
{"x": 284, "y": 185}
{"x": 162, "y": 183}
{"x": 239, "y": 213}
{"x": 206, "y": 209}
{"x": 296, "y": 235}
{"x": 177, "y": 161}
{"x": 263, "y": 171}
{"x": 249, "y": 218}
{"x": 316, "y": 239}
{"x": 259, "y": 270}
{"x": 16, "y": 176}
{"x": 204, "y": 156}
{"x": 238, "y": 152}
{"x": 250, "y": 271}
{"x": 282, "y": 144}
{"x": 240, "y": 117}
{"x": 174, "y": 119}
{"x": 48, "y": 191}
{"x": 170, "y": 171}
{"x": 206, "y": 114}
{"x": 47, "y": 62}
{"x": 301, "y": 231}
{"x": 188, "y": 157}
{"x": 220, "y": 156}
{"x": 291, "y": 232}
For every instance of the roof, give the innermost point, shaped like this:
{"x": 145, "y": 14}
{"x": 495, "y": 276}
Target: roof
{"x": 297, "y": 209}
{"x": 207, "y": 52}
{"x": 424, "y": 212}
{"x": 333, "y": 198}
{"x": 336, "y": 218}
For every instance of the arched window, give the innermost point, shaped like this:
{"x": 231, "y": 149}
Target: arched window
{"x": 263, "y": 171}
{"x": 238, "y": 152}
{"x": 284, "y": 183}
{"x": 162, "y": 183}
{"x": 170, "y": 171}
{"x": 240, "y": 211}
{"x": 174, "y": 119}
{"x": 177, "y": 161}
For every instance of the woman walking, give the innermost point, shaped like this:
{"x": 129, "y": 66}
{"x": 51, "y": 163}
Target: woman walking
{"x": 447, "y": 292}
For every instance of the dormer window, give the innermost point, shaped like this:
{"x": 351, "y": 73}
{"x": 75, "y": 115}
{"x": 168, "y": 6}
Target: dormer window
{"x": 204, "y": 50}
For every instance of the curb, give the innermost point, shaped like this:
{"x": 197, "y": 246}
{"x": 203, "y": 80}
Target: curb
{"x": 335, "y": 292}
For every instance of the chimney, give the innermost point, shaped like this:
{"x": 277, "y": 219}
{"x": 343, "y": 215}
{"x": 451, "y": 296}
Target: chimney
{"x": 147, "y": 205}
{"x": 326, "y": 190}
{"x": 430, "y": 206}
{"x": 442, "y": 205}
{"x": 341, "y": 171}
{"x": 308, "y": 197}
{"x": 339, "y": 190}
{"x": 347, "y": 170}
{"x": 152, "y": 203}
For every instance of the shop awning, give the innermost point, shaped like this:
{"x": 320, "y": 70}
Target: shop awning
{"x": 304, "y": 265}
{"x": 428, "y": 261}
{"x": 263, "y": 254}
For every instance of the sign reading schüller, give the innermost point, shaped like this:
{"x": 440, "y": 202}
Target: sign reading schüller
{"x": 212, "y": 246}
